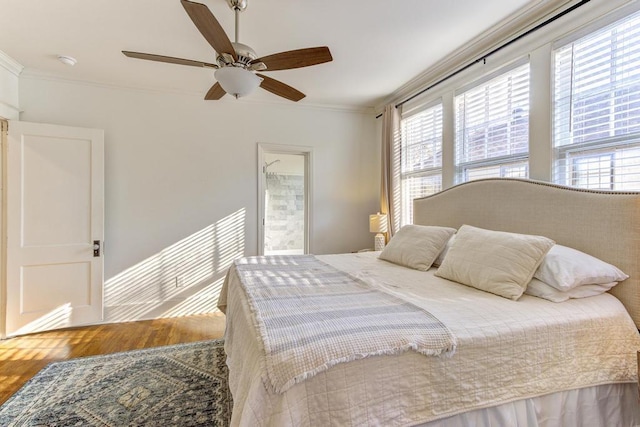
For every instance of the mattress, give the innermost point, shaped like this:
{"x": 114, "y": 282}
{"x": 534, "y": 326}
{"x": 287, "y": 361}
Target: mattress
{"x": 507, "y": 351}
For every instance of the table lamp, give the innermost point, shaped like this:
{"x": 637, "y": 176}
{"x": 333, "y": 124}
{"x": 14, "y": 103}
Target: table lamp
{"x": 378, "y": 224}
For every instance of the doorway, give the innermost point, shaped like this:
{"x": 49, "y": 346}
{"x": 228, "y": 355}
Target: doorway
{"x": 284, "y": 200}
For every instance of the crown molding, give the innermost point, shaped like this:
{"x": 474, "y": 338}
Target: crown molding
{"x": 33, "y": 74}
{"x": 507, "y": 29}
{"x": 10, "y": 64}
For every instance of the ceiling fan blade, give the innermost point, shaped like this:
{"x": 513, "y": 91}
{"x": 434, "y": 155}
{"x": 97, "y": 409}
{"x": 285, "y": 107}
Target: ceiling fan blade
{"x": 278, "y": 88}
{"x": 169, "y": 59}
{"x": 209, "y": 27}
{"x": 296, "y": 58}
{"x": 216, "y": 92}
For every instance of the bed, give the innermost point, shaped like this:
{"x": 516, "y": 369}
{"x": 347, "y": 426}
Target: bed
{"x": 525, "y": 362}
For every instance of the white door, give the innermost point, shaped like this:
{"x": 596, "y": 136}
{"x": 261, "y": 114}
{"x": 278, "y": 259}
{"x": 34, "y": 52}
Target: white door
{"x": 54, "y": 208}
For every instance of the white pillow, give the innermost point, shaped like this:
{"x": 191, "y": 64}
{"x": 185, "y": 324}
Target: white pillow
{"x": 494, "y": 261}
{"x": 416, "y": 246}
{"x": 540, "y": 289}
{"x": 565, "y": 268}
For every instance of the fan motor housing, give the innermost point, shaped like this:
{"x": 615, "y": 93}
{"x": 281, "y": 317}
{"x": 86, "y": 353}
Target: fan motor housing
{"x": 245, "y": 56}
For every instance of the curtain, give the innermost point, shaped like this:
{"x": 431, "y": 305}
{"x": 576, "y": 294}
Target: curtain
{"x": 390, "y": 174}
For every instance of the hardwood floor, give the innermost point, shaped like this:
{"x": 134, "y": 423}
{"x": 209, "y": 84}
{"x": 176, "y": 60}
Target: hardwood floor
{"x": 22, "y": 357}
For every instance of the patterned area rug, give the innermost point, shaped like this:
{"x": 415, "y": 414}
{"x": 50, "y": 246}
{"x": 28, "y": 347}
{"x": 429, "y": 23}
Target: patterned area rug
{"x": 179, "y": 385}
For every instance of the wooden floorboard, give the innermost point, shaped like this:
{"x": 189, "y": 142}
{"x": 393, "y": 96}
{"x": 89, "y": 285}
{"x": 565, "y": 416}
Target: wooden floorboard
{"x": 22, "y": 357}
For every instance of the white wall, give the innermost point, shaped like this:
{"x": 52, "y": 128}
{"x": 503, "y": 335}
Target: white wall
{"x": 181, "y": 184}
{"x": 290, "y": 164}
{"x": 9, "y": 72}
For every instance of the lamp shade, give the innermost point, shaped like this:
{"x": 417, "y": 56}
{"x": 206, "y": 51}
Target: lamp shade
{"x": 378, "y": 223}
{"x": 237, "y": 81}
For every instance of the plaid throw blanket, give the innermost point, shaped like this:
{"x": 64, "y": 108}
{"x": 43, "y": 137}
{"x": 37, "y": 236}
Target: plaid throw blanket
{"x": 311, "y": 316}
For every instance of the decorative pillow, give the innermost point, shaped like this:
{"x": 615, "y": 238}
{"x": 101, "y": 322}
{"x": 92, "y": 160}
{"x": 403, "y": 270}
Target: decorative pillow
{"x": 540, "y": 289}
{"x": 416, "y": 246}
{"x": 566, "y": 268}
{"x": 494, "y": 261}
{"x": 438, "y": 260}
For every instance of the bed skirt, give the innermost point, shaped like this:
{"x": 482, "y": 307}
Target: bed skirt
{"x": 600, "y": 406}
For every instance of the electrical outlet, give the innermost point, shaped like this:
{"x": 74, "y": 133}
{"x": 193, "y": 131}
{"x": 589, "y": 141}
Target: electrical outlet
{"x": 178, "y": 282}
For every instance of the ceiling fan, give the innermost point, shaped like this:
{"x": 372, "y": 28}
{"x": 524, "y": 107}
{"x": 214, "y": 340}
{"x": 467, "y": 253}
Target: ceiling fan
{"x": 237, "y": 65}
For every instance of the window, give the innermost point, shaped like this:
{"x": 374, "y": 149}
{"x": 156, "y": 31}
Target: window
{"x": 586, "y": 119}
{"x": 596, "y": 111}
{"x": 421, "y": 158}
{"x": 492, "y": 127}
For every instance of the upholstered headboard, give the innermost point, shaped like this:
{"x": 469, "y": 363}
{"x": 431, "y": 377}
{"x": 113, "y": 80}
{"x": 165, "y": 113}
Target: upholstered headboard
{"x": 601, "y": 223}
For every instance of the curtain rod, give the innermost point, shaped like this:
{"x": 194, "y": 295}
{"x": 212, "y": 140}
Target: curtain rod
{"x": 484, "y": 57}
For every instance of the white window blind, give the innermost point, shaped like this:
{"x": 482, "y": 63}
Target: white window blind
{"x": 492, "y": 127}
{"x": 596, "y": 111}
{"x": 421, "y": 158}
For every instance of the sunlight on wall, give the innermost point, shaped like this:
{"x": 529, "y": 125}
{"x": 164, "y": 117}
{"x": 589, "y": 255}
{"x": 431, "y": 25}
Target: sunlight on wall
{"x": 61, "y": 317}
{"x": 203, "y": 301}
{"x": 182, "y": 279}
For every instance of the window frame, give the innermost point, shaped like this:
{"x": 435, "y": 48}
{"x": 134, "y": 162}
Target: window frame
{"x": 406, "y": 206}
{"x": 564, "y": 150}
{"x": 462, "y": 168}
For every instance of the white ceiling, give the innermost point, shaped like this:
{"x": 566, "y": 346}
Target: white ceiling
{"x": 377, "y": 45}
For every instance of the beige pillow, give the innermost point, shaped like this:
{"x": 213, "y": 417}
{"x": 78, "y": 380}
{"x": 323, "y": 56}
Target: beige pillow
{"x": 494, "y": 261}
{"x": 417, "y": 246}
{"x": 438, "y": 260}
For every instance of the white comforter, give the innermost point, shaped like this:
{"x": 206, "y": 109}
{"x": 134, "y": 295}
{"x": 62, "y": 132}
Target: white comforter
{"x": 507, "y": 350}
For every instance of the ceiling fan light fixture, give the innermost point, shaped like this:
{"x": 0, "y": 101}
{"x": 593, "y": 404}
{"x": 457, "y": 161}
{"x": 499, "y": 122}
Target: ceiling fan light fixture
{"x": 237, "y": 81}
